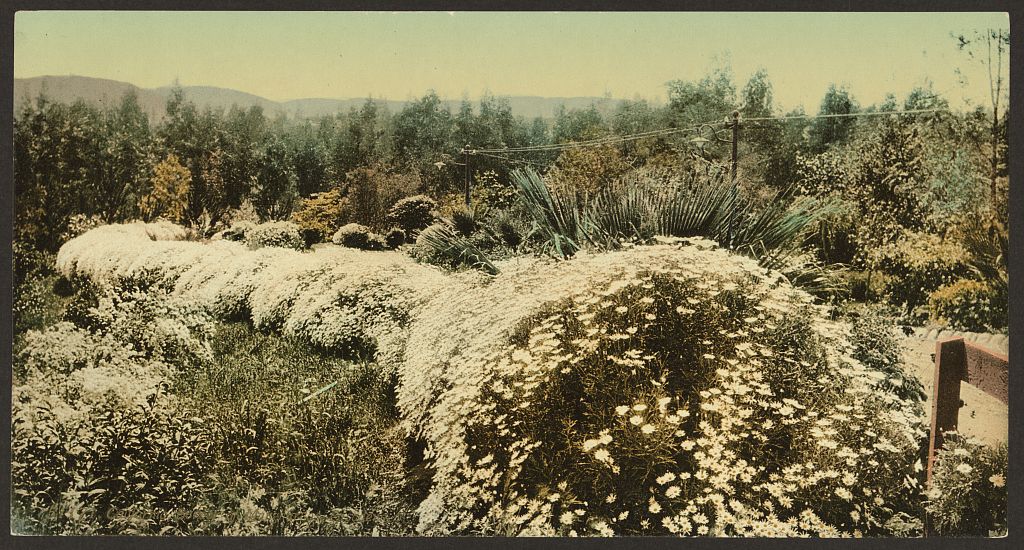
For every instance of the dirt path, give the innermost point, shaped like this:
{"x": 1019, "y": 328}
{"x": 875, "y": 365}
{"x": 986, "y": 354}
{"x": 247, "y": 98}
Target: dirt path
{"x": 982, "y": 415}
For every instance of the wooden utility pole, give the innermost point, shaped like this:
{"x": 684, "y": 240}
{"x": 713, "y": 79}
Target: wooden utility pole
{"x": 465, "y": 166}
{"x": 735, "y": 145}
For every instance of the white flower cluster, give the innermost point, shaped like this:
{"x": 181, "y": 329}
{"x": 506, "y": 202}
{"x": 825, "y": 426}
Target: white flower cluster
{"x": 337, "y": 298}
{"x": 283, "y": 234}
{"x": 662, "y": 389}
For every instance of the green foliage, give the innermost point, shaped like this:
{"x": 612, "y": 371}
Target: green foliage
{"x": 168, "y": 194}
{"x": 586, "y": 172}
{"x": 371, "y": 192}
{"x": 556, "y": 218}
{"x": 466, "y": 221}
{"x": 327, "y": 463}
{"x": 72, "y": 476}
{"x": 322, "y": 214}
{"x": 876, "y": 346}
{"x": 968, "y": 492}
{"x": 639, "y": 207}
{"x": 275, "y": 192}
{"x": 440, "y": 245}
{"x": 828, "y": 132}
{"x": 969, "y": 305}
{"x": 358, "y": 236}
{"x": 395, "y": 238}
{"x": 413, "y": 214}
{"x": 917, "y": 264}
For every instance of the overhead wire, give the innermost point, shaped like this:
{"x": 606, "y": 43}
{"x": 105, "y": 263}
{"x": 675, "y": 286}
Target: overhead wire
{"x": 610, "y": 140}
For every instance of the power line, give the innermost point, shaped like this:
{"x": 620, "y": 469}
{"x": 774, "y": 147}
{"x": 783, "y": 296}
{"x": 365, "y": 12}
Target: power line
{"x": 669, "y": 131}
{"x": 594, "y": 142}
{"x": 843, "y": 115}
{"x": 510, "y": 159}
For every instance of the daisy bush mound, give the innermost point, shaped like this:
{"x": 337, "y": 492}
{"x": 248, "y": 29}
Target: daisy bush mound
{"x": 352, "y": 302}
{"x": 668, "y": 389}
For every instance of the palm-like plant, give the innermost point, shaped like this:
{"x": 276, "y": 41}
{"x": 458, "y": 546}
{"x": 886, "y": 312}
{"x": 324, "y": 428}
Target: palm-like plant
{"x": 443, "y": 245}
{"x": 637, "y": 208}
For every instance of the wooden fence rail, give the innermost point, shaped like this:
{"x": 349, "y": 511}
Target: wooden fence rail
{"x": 958, "y": 361}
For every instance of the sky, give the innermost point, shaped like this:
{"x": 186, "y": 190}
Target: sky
{"x": 292, "y": 55}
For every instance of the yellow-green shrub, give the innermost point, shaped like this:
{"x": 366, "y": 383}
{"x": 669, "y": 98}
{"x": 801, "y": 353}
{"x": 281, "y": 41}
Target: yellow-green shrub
{"x": 969, "y": 305}
{"x": 323, "y": 214}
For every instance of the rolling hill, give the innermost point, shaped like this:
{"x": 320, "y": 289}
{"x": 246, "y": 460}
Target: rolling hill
{"x": 104, "y": 92}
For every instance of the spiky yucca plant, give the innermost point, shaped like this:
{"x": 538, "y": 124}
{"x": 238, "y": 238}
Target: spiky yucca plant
{"x": 443, "y": 245}
{"x": 637, "y": 208}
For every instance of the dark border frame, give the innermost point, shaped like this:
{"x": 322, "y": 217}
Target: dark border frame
{"x": 1016, "y": 214}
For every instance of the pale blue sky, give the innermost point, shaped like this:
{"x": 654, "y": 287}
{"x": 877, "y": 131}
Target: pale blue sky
{"x": 289, "y": 55}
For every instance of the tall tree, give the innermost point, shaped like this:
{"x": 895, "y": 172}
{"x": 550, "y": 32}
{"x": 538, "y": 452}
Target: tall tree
{"x": 991, "y": 48}
{"x": 828, "y": 130}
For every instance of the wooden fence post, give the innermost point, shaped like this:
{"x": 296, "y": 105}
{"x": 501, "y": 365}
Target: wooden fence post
{"x": 957, "y": 361}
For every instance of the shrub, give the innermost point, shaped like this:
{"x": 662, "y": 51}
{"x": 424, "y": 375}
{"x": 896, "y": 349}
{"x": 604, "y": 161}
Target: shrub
{"x": 641, "y": 206}
{"x": 73, "y": 474}
{"x": 969, "y": 305}
{"x": 80, "y": 223}
{"x": 394, "y": 238}
{"x": 352, "y": 235}
{"x": 237, "y": 231}
{"x": 322, "y": 214}
{"x": 493, "y": 191}
{"x": 349, "y": 301}
{"x": 281, "y": 234}
{"x": 168, "y": 193}
{"x": 664, "y": 389}
{"x": 508, "y": 229}
{"x": 465, "y": 221}
{"x": 439, "y": 245}
{"x": 917, "y": 264}
{"x": 413, "y": 214}
{"x": 371, "y": 191}
{"x": 968, "y": 493}
{"x": 876, "y": 347}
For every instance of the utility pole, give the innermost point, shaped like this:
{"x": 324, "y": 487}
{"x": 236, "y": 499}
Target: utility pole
{"x": 465, "y": 165}
{"x": 735, "y": 143}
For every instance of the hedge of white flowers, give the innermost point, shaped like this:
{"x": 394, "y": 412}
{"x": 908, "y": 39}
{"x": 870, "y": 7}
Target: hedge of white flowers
{"x": 338, "y": 298}
{"x": 667, "y": 389}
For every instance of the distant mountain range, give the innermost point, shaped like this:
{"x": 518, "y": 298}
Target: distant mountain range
{"x": 153, "y": 101}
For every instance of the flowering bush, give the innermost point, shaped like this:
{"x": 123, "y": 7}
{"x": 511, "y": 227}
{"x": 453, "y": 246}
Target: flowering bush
{"x": 281, "y": 234}
{"x": 352, "y": 301}
{"x": 967, "y": 496}
{"x": 413, "y": 214}
{"x": 93, "y": 429}
{"x": 675, "y": 388}
{"x": 969, "y": 305}
{"x": 660, "y": 390}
